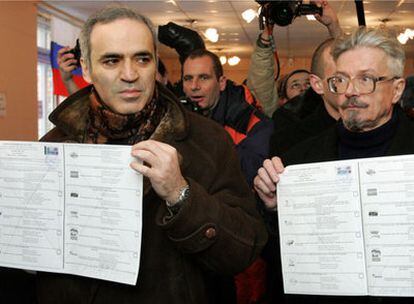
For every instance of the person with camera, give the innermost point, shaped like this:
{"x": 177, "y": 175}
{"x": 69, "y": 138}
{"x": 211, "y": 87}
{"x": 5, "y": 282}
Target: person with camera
{"x": 291, "y": 85}
{"x": 199, "y": 218}
{"x": 67, "y": 64}
{"x": 260, "y": 78}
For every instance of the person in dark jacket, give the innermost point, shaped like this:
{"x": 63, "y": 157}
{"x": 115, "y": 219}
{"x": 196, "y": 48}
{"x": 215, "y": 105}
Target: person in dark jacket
{"x": 314, "y": 111}
{"x": 368, "y": 82}
{"x": 232, "y": 106}
{"x": 199, "y": 218}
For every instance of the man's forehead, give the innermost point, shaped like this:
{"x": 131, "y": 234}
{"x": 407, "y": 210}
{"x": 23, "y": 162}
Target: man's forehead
{"x": 362, "y": 60}
{"x": 120, "y": 35}
{"x": 299, "y": 77}
{"x": 198, "y": 66}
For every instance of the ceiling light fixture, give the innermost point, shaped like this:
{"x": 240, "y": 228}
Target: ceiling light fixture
{"x": 248, "y": 15}
{"x": 212, "y": 34}
{"x": 233, "y": 60}
{"x": 407, "y": 34}
{"x": 172, "y": 2}
{"x": 223, "y": 59}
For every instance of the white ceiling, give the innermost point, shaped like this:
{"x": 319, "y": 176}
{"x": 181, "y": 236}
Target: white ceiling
{"x": 238, "y": 37}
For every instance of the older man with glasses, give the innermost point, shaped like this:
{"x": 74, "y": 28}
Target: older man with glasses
{"x": 368, "y": 83}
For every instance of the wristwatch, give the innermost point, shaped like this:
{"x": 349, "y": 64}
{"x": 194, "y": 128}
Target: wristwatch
{"x": 184, "y": 194}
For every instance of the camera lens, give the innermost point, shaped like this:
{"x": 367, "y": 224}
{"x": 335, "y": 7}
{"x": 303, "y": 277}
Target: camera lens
{"x": 282, "y": 13}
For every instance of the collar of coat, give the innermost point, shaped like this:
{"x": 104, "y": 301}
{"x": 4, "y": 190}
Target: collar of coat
{"x": 72, "y": 117}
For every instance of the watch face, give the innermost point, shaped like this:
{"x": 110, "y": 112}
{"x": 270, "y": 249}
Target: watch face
{"x": 184, "y": 193}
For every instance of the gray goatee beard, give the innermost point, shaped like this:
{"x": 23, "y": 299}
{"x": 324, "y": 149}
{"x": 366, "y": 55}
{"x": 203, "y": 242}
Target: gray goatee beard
{"x": 354, "y": 122}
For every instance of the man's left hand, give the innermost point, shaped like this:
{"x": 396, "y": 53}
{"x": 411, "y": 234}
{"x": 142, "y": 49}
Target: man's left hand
{"x": 161, "y": 166}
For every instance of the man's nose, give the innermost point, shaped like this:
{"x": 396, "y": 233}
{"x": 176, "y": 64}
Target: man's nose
{"x": 303, "y": 87}
{"x": 129, "y": 72}
{"x": 195, "y": 85}
{"x": 351, "y": 90}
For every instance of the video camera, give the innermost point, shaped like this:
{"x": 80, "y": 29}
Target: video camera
{"x": 282, "y": 12}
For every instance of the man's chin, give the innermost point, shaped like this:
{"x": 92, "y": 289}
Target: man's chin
{"x": 200, "y": 104}
{"x": 127, "y": 108}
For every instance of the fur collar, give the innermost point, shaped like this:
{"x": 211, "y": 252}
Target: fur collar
{"x": 71, "y": 116}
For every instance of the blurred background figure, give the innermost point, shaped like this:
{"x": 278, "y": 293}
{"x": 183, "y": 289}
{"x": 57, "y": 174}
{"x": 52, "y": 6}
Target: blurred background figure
{"x": 292, "y": 85}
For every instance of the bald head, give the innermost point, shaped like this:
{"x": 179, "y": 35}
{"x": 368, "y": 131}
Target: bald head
{"x": 320, "y": 55}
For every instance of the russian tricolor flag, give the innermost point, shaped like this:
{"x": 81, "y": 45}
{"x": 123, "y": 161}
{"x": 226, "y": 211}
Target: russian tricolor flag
{"x": 58, "y": 85}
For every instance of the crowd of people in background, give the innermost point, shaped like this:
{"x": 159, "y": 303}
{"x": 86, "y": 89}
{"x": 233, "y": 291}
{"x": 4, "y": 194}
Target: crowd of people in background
{"x": 212, "y": 161}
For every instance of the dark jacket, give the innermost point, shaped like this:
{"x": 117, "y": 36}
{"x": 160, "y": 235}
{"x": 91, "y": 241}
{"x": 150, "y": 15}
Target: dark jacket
{"x": 17, "y": 286}
{"x": 313, "y": 124}
{"x": 301, "y": 118}
{"x": 216, "y": 231}
{"x": 296, "y": 109}
{"x": 248, "y": 127}
{"x": 324, "y": 147}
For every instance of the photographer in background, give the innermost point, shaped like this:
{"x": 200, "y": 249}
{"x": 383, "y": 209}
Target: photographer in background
{"x": 67, "y": 64}
{"x": 292, "y": 85}
{"x": 261, "y": 75}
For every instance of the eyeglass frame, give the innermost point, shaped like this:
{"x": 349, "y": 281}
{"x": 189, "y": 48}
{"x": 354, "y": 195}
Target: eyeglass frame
{"x": 375, "y": 79}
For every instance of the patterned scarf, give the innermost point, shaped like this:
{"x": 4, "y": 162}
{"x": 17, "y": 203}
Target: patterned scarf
{"x": 107, "y": 127}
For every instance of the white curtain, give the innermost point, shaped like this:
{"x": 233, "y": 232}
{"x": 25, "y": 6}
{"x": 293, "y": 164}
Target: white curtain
{"x": 63, "y": 32}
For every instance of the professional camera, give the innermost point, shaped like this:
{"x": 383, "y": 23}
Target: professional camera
{"x": 76, "y": 53}
{"x": 282, "y": 12}
{"x": 182, "y": 39}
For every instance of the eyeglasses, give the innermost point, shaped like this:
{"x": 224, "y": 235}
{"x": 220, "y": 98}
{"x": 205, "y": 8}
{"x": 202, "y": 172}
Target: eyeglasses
{"x": 364, "y": 84}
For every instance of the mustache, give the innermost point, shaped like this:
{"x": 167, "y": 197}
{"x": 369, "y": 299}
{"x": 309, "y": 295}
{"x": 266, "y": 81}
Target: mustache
{"x": 354, "y": 102}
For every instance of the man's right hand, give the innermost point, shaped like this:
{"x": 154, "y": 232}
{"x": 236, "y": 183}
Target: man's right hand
{"x": 266, "y": 180}
{"x": 328, "y": 18}
{"x": 67, "y": 63}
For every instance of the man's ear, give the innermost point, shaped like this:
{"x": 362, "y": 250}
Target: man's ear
{"x": 222, "y": 82}
{"x": 85, "y": 71}
{"x": 399, "y": 87}
{"x": 316, "y": 84}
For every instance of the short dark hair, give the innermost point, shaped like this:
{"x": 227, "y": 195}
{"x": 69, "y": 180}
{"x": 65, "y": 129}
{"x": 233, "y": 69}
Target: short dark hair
{"x": 317, "y": 62}
{"x": 218, "y": 68}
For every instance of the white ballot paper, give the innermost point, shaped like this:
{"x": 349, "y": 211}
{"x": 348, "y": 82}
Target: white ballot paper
{"x": 347, "y": 227}
{"x": 70, "y": 208}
